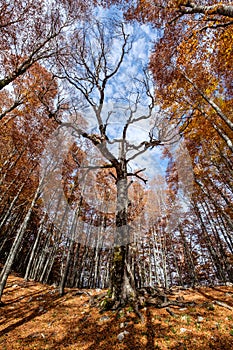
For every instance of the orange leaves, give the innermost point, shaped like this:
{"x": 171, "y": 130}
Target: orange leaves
{"x": 192, "y": 69}
{"x": 138, "y": 201}
{"x": 38, "y": 88}
{"x": 25, "y": 128}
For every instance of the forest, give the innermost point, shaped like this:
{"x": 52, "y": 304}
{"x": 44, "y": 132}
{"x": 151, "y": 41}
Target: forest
{"x": 116, "y": 145}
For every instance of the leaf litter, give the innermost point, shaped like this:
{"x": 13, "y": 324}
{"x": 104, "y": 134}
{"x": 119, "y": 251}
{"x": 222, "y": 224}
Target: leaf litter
{"x": 35, "y": 316}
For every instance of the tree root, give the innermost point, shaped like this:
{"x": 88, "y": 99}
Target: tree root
{"x": 156, "y": 297}
{"x": 220, "y": 303}
{"x": 170, "y": 312}
{"x": 138, "y": 313}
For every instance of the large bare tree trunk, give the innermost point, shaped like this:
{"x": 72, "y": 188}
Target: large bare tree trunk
{"x": 123, "y": 288}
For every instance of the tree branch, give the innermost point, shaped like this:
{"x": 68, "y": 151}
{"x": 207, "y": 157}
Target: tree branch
{"x": 218, "y": 9}
{"x": 138, "y": 176}
{"x": 16, "y": 104}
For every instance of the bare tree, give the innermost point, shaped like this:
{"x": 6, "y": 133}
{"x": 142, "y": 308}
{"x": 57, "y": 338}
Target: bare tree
{"x": 90, "y": 67}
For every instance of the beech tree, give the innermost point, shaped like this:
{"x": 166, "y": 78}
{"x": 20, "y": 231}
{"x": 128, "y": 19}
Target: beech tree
{"x": 89, "y": 68}
{"x": 30, "y": 32}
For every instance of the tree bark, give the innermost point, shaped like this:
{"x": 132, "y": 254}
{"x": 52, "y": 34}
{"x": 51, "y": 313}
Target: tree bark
{"x": 218, "y": 9}
{"x": 122, "y": 288}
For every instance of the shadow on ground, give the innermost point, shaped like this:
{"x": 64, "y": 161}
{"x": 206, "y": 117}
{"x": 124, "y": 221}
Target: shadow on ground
{"x": 36, "y": 317}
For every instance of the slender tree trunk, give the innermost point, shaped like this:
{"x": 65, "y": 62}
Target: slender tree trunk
{"x": 66, "y": 269}
{"x": 18, "y": 240}
{"x": 34, "y": 248}
{"x": 9, "y": 234}
{"x": 74, "y": 267}
{"x": 189, "y": 263}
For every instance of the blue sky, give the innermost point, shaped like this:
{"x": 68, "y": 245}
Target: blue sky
{"x": 123, "y": 85}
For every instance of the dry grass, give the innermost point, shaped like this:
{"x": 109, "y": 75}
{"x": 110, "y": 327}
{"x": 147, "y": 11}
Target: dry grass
{"x": 36, "y": 317}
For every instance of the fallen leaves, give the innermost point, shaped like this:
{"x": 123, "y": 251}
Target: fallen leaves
{"x": 71, "y": 322}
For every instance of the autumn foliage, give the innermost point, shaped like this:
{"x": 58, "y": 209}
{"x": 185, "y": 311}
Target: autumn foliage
{"x": 191, "y": 64}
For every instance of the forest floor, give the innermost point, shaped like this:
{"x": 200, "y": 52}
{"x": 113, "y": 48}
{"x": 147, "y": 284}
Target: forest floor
{"x": 34, "y": 316}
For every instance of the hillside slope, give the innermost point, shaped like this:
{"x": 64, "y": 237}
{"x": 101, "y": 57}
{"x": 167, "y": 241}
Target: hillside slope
{"x": 34, "y": 316}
